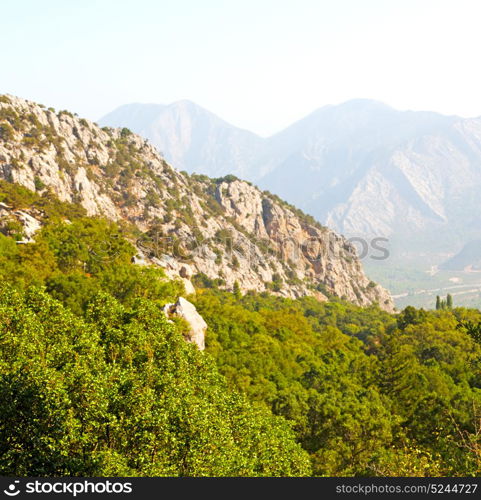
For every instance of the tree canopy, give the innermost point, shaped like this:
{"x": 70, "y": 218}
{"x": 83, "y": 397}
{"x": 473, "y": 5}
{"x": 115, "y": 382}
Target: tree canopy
{"x": 95, "y": 381}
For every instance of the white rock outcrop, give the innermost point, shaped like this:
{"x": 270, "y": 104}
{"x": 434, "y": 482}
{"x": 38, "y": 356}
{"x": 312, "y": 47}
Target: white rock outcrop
{"x": 186, "y": 310}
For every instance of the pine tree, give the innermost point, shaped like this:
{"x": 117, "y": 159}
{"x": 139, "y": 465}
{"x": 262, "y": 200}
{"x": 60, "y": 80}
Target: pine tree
{"x": 438, "y": 302}
{"x": 449, "y": 301}
{"x": 237, "y": 290}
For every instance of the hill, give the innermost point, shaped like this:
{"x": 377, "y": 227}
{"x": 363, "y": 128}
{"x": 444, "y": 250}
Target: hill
{"x": 194, "y": 227}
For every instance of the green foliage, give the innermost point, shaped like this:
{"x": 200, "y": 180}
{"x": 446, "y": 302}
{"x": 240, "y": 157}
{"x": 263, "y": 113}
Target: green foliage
{"x": 228, "y": 178}
{"x": 235, "y": 262}
{"x": 276, "y": 284}
{"x": 472, "y": 329}
{"x": 88, "y": 244}
{"x": 223, "y": 236}
{"x": 449, "y": 301}
{"x": 152, "y": 199}
{"x": 444, "y": 304}
{"x": 19, "y": 197}
{"x": 6, "y": 131}
{"x": 75, "y": 258}
{"x": 432, "y": 377}
{"x": 16, "y": 196}
{"x": 96, "y": 381}
{"x": 121, "y": 393}
{"x": 200, "y": 280}
{"x": 39, "y": 184}
{"x": 367, "y": 393}
{"x": 277, "y": 352}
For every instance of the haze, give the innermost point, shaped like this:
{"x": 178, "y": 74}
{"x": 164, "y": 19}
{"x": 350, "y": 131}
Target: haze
{"x": 259, "y": 65}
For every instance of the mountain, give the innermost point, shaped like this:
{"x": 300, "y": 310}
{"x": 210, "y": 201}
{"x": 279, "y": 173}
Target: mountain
{"x": 367, "y": 169}
{"x": 364, "y": 168}
{"x": 468, "y": 257}
{"x": 190, "y": 137}
{"x": 223, "y": 230}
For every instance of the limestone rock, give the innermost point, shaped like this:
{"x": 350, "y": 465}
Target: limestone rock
{"x": 29, "y": 223}
{"x": 186, "y": 310}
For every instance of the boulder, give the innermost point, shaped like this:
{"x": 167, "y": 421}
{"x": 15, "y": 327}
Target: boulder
{"x": 186, "y": 310}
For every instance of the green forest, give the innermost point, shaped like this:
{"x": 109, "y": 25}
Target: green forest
{"x": 95, "y": 381}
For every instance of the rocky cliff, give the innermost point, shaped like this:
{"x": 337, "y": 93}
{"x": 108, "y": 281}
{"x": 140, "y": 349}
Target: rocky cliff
{"x": 193, "y": 226}
{"x": 361, "y": 167}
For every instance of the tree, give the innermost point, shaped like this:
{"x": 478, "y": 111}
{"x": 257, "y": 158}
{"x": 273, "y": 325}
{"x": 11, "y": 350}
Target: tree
{"x": 472, "y": 329}
{"x": 237, "y": 290}
{"x": 449, "y": 301}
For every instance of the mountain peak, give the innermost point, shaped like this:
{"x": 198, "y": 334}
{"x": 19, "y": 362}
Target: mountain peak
{"x": 363, "y": 103}
{"x": 186, "y": 103}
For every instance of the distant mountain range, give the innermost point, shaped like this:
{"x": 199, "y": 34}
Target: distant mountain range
{"x": 361, "y": 167}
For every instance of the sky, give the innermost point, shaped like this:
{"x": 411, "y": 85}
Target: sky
{"x": 259, "y": 64}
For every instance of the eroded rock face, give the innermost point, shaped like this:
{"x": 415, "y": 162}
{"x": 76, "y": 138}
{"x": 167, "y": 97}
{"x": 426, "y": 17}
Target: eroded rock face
{"x": 25, "y": 224}
{"x": 225, "y": 229}
{"x": 184, "y": 309}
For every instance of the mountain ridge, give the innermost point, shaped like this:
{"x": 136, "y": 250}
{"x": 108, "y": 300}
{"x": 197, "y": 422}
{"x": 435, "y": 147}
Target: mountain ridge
{"x": 192, "y": 226}
{"x": 366, "y": 169}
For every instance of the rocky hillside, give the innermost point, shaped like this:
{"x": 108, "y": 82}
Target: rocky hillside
{"x": 361, "y": 167}
{"x": 193, "y": 226}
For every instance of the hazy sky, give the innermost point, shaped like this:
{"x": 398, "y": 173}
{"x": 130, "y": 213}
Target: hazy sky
{"x": 259, "y": 64}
